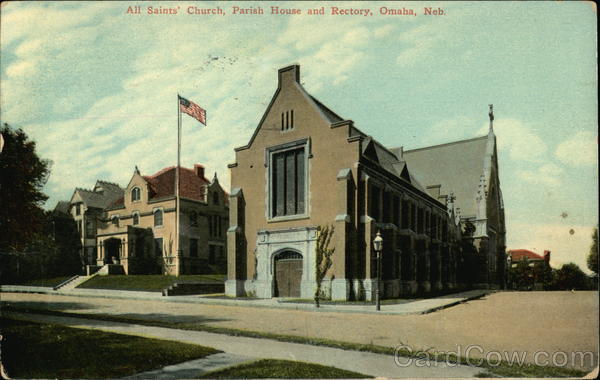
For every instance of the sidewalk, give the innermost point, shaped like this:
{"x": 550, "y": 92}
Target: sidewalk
{"x": 252, "y": 348}
{"x": 423, "y": 306}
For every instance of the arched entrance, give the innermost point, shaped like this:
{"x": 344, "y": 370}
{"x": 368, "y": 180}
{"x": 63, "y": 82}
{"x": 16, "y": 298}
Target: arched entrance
{"x": 288, "y": 274}
{"x": 112, "y": 248}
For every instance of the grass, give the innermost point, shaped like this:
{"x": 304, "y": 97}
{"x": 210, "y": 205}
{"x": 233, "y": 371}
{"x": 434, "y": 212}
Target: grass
{"x": 47, "y": 282}
{"x": 490, "y": 369}
{"x": 40, "y": 350}
{"x": 148, "y": 283}
{"x": 282, "y": 369}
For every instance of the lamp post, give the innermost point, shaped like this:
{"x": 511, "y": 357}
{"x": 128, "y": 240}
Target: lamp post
{"x": 378, "y": 245}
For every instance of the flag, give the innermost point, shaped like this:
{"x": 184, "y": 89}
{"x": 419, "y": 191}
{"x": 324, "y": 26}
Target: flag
{"x": 192, "y": 109}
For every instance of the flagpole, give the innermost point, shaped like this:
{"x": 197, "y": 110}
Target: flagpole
{"x": 177, "y": 205}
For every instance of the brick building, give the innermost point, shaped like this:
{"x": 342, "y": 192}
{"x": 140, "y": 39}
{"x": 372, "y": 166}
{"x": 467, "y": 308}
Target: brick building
{"x": 305, "y": 167}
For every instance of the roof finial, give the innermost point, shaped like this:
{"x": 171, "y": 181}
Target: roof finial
{"x": 491, "y": 114}
{"x": 136, "y": 171}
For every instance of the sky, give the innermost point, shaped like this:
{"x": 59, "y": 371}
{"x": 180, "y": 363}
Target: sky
{"x": 96, "y": 88}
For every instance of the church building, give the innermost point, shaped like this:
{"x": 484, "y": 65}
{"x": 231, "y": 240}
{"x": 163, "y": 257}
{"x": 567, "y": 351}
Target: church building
{"x": 306, "y": 168}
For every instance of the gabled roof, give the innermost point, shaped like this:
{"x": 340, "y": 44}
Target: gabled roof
{"x": 62, "y": 207}
{"x": 329, "y": 114}
{"x": 162, "y": 184}
{"x": 100, "y": 198}
{"x": 456, "y": 166}
{"x": 522, "y": 254}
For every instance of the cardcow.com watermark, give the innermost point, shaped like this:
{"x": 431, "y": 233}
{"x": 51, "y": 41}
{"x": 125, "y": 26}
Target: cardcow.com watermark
{"x": 405, "y": 356}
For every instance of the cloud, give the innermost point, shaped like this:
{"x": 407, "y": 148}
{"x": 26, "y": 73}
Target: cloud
{"x": 581, "y": 149}
{"x": 545, "y": 175}
{"x": 519, "y": 139}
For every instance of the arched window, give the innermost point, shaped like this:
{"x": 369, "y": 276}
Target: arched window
{"x": 193, "y": 219}
{"x": 215, "y": 198}
{"x": 136, "y": 218}
{"x": 115, "y": 220}
{"x": 136, "y": 194}
{"x": 158, "y": 218}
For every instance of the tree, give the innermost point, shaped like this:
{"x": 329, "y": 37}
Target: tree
{"x": 570, "y": 277}
{"x": 324, "y": 254}
{"x": 592, "y": 259}
{"x": 22, "y": 176}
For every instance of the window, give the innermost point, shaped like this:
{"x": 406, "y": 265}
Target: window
{"x": 193, "y": 247}
{"x": 405, "y": 214}
{"x": 136, "y": 218}
{"x": 193, "y": 219}
{"x": 90, "y": 229}
{"x": 136, "y": 194}
{"x": 287, "y": 120}
{"x": 115, "y": 220}
{"x": 158, "y": 218}
{"x": 215, "y": 198}
{"x": 78, "y": 209}
{"x": 288, "y": 184}
{"x": 214, "y": 226}
{"x": 158, "y": 247}
{"x": 212, "y": 254}
{"x": 396, "y": 211}
{"x": 375, "y": 203}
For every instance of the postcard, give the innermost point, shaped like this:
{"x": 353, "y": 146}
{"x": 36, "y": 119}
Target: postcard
{"x": 278, "y": 189}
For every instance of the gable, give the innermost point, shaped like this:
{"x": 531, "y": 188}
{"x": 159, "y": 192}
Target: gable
{"x": 291, "y": 109}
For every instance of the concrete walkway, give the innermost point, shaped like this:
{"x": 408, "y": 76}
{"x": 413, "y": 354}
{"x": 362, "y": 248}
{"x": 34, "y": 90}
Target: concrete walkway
{"x": 193, "y": 368}
{"x": 362, "y": 362}
{"x": 422, "y": 306}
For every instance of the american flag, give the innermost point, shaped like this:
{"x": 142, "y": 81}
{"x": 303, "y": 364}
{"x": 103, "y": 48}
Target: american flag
{"x": 192, "y": 109}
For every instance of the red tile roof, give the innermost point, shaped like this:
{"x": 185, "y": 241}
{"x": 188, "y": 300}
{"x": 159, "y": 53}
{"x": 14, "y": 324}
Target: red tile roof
{"x": 521, "y": 254}
{"x": 162, "y": 184}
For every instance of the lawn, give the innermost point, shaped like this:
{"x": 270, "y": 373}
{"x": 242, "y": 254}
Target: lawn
{"x": 47, "y": 282}
{"x": 149, "y": 282}
{"x": 36, "y": 350}
{"x": 283, "y": 369}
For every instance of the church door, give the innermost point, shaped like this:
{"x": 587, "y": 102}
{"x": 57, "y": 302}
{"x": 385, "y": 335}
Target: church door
{"x": 288, "y": 274}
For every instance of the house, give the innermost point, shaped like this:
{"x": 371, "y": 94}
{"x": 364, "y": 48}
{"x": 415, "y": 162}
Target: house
{"x": 139, "y": 231}
{"x": 87, "y": 207}
{"x": 528, "y": 270}
{"x": 306, "y": 167}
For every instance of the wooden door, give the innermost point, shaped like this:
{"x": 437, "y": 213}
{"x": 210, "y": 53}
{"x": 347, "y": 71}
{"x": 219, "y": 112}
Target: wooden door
{"x": 288, "y": 277}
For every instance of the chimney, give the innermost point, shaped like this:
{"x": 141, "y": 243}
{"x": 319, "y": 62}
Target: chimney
{"x": 547, "y": 256}
{"x": 199, "y": 170}
{"x": 288, "y": 75}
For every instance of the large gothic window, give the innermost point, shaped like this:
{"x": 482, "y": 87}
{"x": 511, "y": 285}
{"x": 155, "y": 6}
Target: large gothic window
{"x": 288, "y": 190}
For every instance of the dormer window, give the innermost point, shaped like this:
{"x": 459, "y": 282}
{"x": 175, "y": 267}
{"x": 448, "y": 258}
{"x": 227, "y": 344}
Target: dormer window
{"x": 136, "y": 194}
{"x": 215, "y": 198}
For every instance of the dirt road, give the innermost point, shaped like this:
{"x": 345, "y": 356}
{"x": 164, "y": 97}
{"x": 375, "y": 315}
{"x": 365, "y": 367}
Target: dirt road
{"x": 552, "y": 323}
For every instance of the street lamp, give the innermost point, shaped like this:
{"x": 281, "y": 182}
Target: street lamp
{"x": 378, "y": 245}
